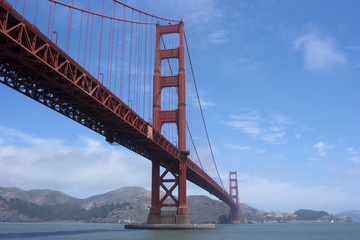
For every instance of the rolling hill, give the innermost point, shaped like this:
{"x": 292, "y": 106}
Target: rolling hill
{"x": 131, "y": 204}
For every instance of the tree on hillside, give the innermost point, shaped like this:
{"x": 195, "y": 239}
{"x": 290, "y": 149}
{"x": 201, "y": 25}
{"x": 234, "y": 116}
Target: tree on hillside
{"x": 309, "y": 215}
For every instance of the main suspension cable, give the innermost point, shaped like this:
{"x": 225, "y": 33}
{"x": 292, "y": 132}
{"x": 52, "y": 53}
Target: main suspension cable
{"x": 187, "y": 125}
{"x": 148, "y": 14}
{"x": 100, "y": 15}
{"x": 202, "y": 114}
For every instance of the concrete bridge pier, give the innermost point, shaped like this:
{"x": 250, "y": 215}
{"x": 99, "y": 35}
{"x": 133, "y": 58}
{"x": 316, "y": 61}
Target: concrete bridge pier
{"x": 168, "y": 219}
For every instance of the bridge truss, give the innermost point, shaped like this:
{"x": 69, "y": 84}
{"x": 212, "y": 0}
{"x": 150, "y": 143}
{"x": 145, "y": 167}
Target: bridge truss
{"x": 35, "y": 66}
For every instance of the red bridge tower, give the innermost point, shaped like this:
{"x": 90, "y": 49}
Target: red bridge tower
{"x": 175, "y": 175}
{"x": 234, "y": 194}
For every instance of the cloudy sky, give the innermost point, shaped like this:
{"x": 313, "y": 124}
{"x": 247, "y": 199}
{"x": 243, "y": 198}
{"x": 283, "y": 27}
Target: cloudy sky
{"x": 280, "y": 85}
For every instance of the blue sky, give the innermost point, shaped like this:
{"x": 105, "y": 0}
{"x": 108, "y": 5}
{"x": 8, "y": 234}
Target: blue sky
{"x": 279, "y": 82}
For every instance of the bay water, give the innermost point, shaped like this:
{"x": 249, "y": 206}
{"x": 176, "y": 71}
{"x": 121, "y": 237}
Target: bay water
{"x": 268, "y": 231}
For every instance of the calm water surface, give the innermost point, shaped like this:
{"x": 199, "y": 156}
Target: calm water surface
{"x": 271, "y": 231}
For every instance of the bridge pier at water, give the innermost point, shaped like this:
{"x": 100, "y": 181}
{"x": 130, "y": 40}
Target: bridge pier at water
{"x": 168, "y": 219}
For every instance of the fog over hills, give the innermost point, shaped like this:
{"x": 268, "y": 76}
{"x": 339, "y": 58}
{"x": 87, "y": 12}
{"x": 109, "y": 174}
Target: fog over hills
{"x": 353, "y": 214}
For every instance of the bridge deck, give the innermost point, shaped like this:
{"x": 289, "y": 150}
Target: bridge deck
{"x": 33, "y": 65}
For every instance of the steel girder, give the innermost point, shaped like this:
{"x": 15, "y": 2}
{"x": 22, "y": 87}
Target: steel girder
{"x": 33, "y": 65}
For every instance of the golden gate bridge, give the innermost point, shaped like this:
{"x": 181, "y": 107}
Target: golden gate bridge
{"x": 125, "y": 74}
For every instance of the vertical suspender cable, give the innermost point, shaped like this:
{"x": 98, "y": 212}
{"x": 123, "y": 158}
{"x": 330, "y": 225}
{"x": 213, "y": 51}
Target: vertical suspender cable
{"x": 202, "y": 114}
{"x": 23, "y": 11}
{"x": 49, "y": 23}
{"x": 123, "y": 42}
{"x": 139, "y": 67}
{"x": 53, "y": 21}
{"x": 69, "y": 27}
{"x": 134, "y": 103}
{"x": 151, "y": 66}
{"x": 86, "y": 35}
{"x": 112, "y": 46}
{"x": 91, "y": 37}
{"x": 36, "y": 11}
{"x": 81, "y": 22}
{"x": 101, "y": 31}
{"x": 109, "y": 54}
{"x": 131, "y": 37}
{"x": 145, "y": 66}
{"x": 116, "y": 56}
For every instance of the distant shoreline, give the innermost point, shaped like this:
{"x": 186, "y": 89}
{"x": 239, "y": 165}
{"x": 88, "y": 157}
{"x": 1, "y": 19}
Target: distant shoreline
{"x": 131, "y": 205}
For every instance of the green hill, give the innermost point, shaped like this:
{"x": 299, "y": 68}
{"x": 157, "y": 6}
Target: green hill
{"x": 130, "y": 204}
{"x": 309, "y": 215}
{"x": 353, "y": 214}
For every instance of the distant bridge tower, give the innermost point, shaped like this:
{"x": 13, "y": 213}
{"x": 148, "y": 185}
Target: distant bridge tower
{"x": 175, "y": 175}
{"x": 234, "y": 194}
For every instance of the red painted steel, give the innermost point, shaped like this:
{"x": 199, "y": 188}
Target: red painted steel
{"x": 234, "y": 194}
{"x": 177, "y": 116}
{"x": 97, "y": 14}
{"x": 33, "y": 65}
{"x": 125, "y": 5}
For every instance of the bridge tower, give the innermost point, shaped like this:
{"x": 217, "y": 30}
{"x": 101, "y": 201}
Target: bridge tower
{"x": 175, "y": 175}
{"x": 234, "y": 194}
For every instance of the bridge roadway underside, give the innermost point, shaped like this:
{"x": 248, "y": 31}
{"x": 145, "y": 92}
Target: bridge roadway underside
{"x": 33, "y": 65}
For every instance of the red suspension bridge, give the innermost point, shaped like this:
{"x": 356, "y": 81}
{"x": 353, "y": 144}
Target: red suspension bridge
{"x": 120, "y": 72}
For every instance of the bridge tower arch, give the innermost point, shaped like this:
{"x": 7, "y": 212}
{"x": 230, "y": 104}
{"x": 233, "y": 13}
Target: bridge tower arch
{"x": 177, "y": 173}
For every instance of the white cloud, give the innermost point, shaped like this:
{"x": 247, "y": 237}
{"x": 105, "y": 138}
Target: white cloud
{"x": 353, "y": 154}
{"x": 352, "y": 151}
{"x": 248, "y": 123}
{"x": 11, "y": 134}
{"x": 271, "y": 129}
{"x": 192, "y": 98}
{"x": 218, "y": 37}
{"x": 322, "y": 148}
{"x": 91, "y": 167}
{"x": 320, "y": 53}
{"x": 249, "y": 127}
{"x": 275, "y": 196}
{"x": 201, "y": 11}
{"x": 357, "y": 47}
{"x": 251, "y": 116}
{"x": 194, "y": 13}
{"x": 238, "y": 147}
{"x": 275, "y": 138}
{"x": 205, "y": 100}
